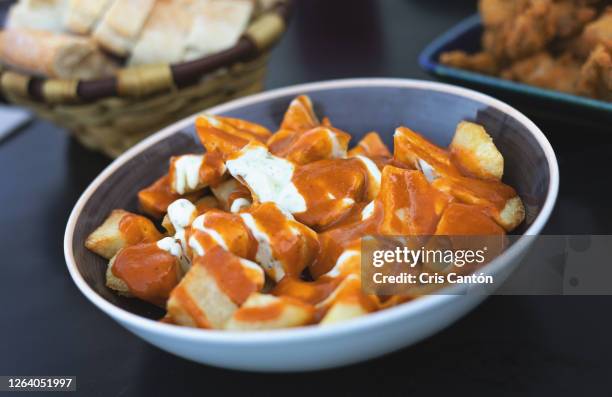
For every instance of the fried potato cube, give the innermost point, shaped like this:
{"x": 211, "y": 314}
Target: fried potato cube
{"x": 411, "y": 206}
{"x": 465, "y": 220}
{"x": 499, "y": 200}
{"x": 318, "y": 143}
{"x": 121, "y": 229}
{"x": 413, "y": 149}
{"x": 349, "y": 262}
{"x": 347, "y": 302}
{"x": 370, "y": 146}
{"x": 212, "y": 290}
{"x": 284, "y": 246}
{"x": 458, "y": 221}
{"x": 300, "y": 115}
{"x": 115, "y": 283}
{"x": 346, "y": 237}
{"x": 262, "y": 311}
{"x": 318, "y": 193}
{"x": 512, "y": 215}
{"x": 206, "y": 203}
{"x": 299, "y": 118}
{"x": 202, "y": 205}
{"x": 474, "y": 152}
{"x": 181, "y": 214}
{"x": 232, "y": 195}
{"x": 193, "y": 172}
{"x": 224, "y": 229}
{"x": 147, "y": 271}
{"x": 227, "y": 135}
{"x": 332, "y": 188}
{"x": 281, "y": 140}
{"x": 168, "y": 226}
{"x": 311, "y": 292}
{"x": 268, "y": 177}
{"x": 155, "y": 199}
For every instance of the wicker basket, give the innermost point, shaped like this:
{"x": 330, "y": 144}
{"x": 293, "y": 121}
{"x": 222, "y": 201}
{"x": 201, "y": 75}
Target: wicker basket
{"x": 114, "y": 113}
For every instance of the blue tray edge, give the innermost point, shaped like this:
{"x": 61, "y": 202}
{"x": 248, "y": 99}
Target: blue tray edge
{"x": 428, "y": 61}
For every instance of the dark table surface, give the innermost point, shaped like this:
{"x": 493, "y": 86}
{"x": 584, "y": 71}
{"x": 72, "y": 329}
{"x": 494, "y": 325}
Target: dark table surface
{"x": 528, "y": 345}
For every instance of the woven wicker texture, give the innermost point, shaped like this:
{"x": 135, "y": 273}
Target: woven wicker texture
{"x": 113, "y": 114}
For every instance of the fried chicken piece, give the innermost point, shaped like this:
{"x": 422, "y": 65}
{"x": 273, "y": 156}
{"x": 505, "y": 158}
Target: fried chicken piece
{"x": 543, "y": 70}
{"x": 481, "y": 62}
{"x": 595, "y": 33}
{"x": 518, "y": 29}
{"x": 495, "y": 13}
{"x": 531, "y": 31}
{"x": 595, "y": 78}
{"x": 544, "y": 43}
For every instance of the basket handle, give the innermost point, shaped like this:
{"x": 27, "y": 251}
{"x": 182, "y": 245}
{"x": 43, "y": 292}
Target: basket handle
{"x": 139, "y": 81}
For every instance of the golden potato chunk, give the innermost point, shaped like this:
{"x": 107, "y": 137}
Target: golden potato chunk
{"x": 464, "y": 220}
{"x": 332, "y": 188}
{"x": 213, "y": 289}
{"x": 226, "y": 230}
{"x": 261, "y": 312}
{"x": 347, "y": 302}
{"x": 202, "y": 205}
{"x": 411, "y": 206}
{"x": 413, "y": 149}
{"x": 371, "y": 146}
{"x": 499, "y": 200}
{"x": 300, "y": 115}
{"x": 284, "y": 247}
{"x": 232, "y": 195}
{"x": 121, "y": 229}
{"x": 349, "y": 262}
{"x": 115, "y": 283}
{"x": 474, "y": 152}
{"x": 147, "y": 271}
{"x": 155, "y": 199}
{"x": 226, "y": 135}
{"x": 318, "y": 143}
{"x": 192, "y": 172}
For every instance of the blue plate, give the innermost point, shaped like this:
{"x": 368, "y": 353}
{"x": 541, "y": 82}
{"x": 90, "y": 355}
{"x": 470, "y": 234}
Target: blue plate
{"x": 538, "y": 102}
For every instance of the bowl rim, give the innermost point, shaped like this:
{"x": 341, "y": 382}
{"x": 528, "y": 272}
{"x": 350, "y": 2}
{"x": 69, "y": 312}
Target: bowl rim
{"x": 362, "y": 324}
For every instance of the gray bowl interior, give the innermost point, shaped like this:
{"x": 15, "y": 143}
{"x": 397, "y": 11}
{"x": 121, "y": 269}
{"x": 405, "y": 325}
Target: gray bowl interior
{"x": 355, "y": 110}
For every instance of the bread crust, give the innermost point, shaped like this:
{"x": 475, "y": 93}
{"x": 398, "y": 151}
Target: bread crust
{"x": 121, "y": 25}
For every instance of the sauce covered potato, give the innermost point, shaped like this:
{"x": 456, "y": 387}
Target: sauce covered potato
{"x": 263, "y": 230}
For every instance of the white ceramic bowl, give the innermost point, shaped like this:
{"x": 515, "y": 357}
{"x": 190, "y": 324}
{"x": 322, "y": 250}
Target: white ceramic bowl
{"x": 356, "y": 105}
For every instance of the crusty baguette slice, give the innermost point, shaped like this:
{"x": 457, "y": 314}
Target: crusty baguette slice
{"x": 53, "y": 54}
{"x": 44, "y": 15}
{"x": 217, "y": 26}
{"x": 121, "y": 25}
{"x": 83, "y": 15}
{"x": 164, "y": 35}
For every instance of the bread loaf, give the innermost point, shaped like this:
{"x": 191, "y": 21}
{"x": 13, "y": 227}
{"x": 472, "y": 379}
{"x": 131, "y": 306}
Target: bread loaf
{"x": 37, "y": 14}
{"x": 121, "y": 25}
{"x": 83, "y": 15}
{"x": 53, "y": 54}
{"x": 163, "y": 37}
{"x": 217, "y": 26}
